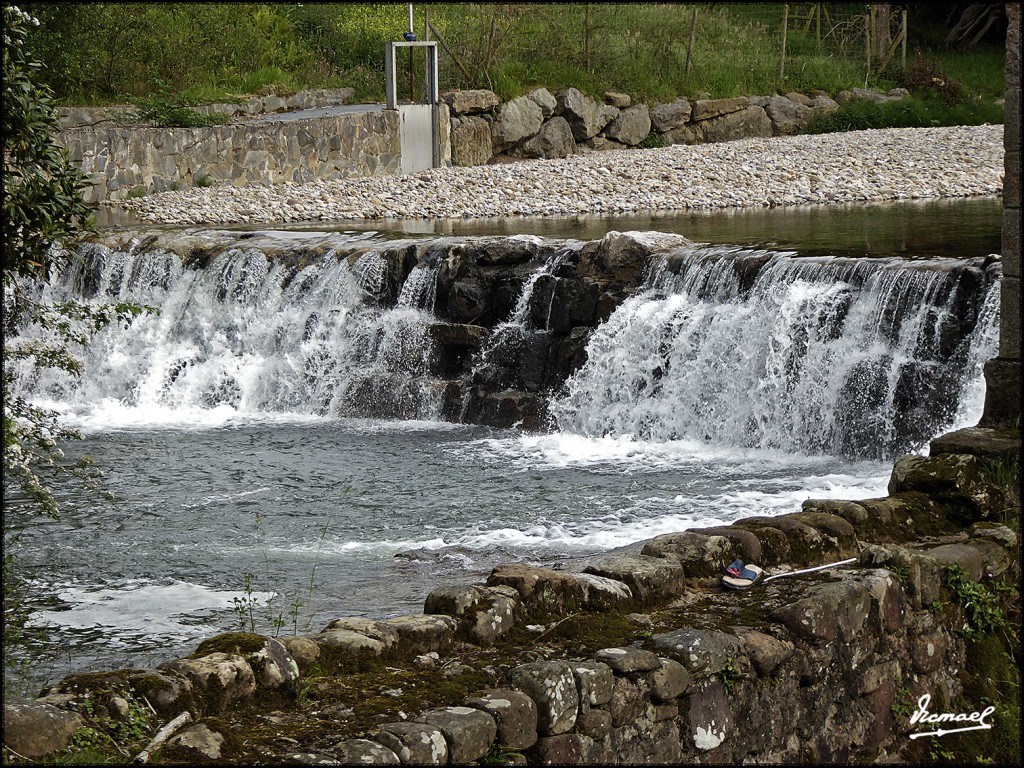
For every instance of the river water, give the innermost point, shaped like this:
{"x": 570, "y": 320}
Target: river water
{"x": 242, "y": 506}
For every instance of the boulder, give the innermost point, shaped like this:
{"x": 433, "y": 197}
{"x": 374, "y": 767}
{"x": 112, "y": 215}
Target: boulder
{"x": 513, "y": 711}
{"x": 628, "y": 700}
{"x": 626, "y": 660}
{"x": 270, "y": 661}
{"x": 196, "y": 744}
{"x": 800, "y": 98}
{"x": 415, "y": 743}
{"x": 469, "y": 732}
{"x": 831, "y": 612}
{"x": 668, "y": 681}
{"x": 545, "y": 100}
{"x": 218, "y": 679}
{"x": 766, "y": 652}
{"x": 424, "y": 634}
{"x": 702, "y": 652}
{"x": 34, "y": 729}
{"x": 585, "y": 116}
{"x": 518, "y": 119}
{"x": 668, "y": 117}
{"x": 452, "y": 601}
{"x": 600, "y": 144}
{"x": 358, "y": 635}
{"x": 617, "y": 99}
{"x": 751, "y": 122}
{"x": 496, "y": 617}
{"x": 303, "y": 649}
{"x": 564, "y": 749}
{"x": 471, "y": 141}
{"x": 788, "y": 116}
{"x": 649, "y": 578}
{"x": 707, "y": 109}
{"x": 697, "y": 553}
{"x": 600, "y": 593}
{"x": 470, "y": 102}
{"x": 553, "y": 140}
{"x": 684, "y": 134}
{"x": 552, "y": 686}
{"x": 364, "y": 752}
{"x": 957, "y": 481}
{"x": 541, "y": 590}
{"x": 631, "y": 126}
{"x": 594, "y": 681}
{"x": 978, "y": 441}
{"x": 710, "y": 717}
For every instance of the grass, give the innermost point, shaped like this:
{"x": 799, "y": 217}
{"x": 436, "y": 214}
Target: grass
{"x": 103, "y": 53}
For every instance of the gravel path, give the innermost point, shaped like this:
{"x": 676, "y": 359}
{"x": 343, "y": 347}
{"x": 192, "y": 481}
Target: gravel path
{"x": 890, "y": 164}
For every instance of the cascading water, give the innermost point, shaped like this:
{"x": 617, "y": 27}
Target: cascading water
{"x": 814, "y": 356}
{"x": 250, "y": 336}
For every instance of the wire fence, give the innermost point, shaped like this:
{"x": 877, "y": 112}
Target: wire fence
{"x": 662, "y": 50}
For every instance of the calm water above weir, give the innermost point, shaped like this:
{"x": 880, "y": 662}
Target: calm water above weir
{"x": 226, "y": 500}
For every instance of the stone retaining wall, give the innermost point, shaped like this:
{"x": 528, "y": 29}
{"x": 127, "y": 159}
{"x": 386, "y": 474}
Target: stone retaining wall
{"x": 543, "y": 125}
{"x": 822, "y": 667}
{"x": 123, "y": 159}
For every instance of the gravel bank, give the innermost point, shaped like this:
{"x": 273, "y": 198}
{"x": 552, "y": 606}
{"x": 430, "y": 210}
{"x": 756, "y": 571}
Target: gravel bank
{"x": 890, "y": 164}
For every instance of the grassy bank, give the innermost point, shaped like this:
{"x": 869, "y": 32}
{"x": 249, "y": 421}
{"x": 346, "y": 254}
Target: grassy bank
{"x": 106, "y": 53}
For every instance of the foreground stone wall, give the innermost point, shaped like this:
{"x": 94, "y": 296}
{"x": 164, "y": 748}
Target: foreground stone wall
{"x": 820, "y": 667}
{"x": 1002, "y": 374}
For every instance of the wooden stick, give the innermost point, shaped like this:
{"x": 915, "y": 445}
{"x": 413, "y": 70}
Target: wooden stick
{"x": 161, "y": 736}
{"x": 448, "y": 50}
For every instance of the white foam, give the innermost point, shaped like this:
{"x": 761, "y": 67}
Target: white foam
{"x": 626, "y": 454}
{"x": 110, "y": 414}
{"x": 136, "y": 606}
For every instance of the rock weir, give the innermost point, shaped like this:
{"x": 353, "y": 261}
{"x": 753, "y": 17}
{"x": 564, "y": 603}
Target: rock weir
{"x": 637, "y": 333}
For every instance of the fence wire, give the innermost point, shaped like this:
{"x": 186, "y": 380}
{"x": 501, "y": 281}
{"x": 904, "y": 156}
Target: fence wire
{"x": 662, "y": 49}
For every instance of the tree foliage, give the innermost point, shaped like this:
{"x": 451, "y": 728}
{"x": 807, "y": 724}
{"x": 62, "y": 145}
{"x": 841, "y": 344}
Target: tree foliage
{"x": 43, "y": 211}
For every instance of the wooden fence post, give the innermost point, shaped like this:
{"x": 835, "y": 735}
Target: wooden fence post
{"x": 785, "y": 25}
{"x": 689, "y": 47}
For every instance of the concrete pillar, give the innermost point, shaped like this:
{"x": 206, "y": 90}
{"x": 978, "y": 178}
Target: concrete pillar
{"x": 1002, "y": 374}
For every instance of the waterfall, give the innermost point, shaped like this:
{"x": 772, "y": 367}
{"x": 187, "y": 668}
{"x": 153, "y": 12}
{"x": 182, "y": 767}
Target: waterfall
{"x": 817, "y": 356}
{"x": 247, "y": 333}
{"x": 738, "y": 347}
